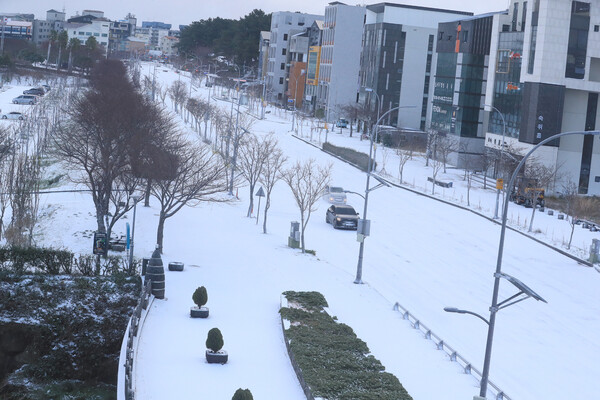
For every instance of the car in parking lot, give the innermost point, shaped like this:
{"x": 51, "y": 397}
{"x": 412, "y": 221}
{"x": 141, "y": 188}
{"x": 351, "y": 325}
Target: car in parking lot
{"x": 341, "y": 123}
{"x": 35, "y": 91}
{"x": 13, "y": 115}
{"x": 334, "y": 194}
{"x": 46, "y": 88}
{"x": 25, "y": 99}
{"x": 342, "y": 217}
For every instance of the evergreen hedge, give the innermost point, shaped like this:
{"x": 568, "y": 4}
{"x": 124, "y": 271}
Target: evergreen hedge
{"x": 22, "y": 260}
{"x": 361, "y": 160}
{"x": 335, "y": 364}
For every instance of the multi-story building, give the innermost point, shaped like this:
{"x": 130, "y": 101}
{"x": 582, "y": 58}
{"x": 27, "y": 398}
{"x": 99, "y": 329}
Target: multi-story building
{"x": 17, "y": 26}
{"x": 168, "y": 44}
{"x": 511, "y": 79}
{"x": 263, "y": 54}
{"x": 98, "y": 28}
{"x": 120, "y": 31}
{"x": 461, "y": 83}
{"x": 41, "y": 28}
{"x": 297, "y": 57}
{"x": 315, "y": 37}
{"x": 340, "y": 58}
{"x": 283, "y": 25}
{"x": 554, "y": 87}
{"x": 398, "y": 60}
{"x": 155, "y": 25}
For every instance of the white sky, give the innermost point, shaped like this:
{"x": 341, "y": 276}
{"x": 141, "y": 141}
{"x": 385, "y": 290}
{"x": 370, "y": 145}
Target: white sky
{"x": 178, "y": 12}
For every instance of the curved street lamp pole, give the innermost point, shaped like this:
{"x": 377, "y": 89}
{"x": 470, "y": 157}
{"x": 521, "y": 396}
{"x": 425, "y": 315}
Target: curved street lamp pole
{"x": 498, "y": 274}
{"x": 377, "y": 124}
{"x": 501, "y": 158}
{"x": 361, "y": 250}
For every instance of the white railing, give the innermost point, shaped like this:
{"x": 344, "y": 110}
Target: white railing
{"x": 126, "y": 388}
{"x": 451, "y": 352}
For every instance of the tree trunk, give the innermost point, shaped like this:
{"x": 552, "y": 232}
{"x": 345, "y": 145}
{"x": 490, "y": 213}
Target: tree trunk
{"x": 160, "y": 232}
{"x": 267, "y": 205}
{"x": 251, "y": 206}
{"x": 571, "y": 236}
{"x": 532, "y": 215}
{"x": 147, "y": 194}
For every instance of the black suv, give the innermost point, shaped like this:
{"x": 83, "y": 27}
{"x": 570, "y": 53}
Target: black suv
{"x": 342, "y": 217}
{"x": 35, "y": 91}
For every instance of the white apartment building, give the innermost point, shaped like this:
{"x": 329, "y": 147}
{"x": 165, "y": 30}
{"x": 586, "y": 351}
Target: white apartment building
{"x": 98, "y": 28}
{"x": 547, "y": 81}
{"x": 167, "y": 45}
{"x": 340, "y": 58}
{"x": 284, "y": 24}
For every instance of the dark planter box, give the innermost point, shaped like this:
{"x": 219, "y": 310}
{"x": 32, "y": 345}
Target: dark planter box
{"x": 175, "y": 266}
{"x": 219, "y": 357}
{"x": 201, "y": 312}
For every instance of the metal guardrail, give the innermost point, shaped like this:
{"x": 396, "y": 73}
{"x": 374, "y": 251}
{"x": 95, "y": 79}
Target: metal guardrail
{"x": 450, "y": 351}
{"x": 134, "y": 325}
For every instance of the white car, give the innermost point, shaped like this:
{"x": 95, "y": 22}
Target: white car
{"x": 13, "y": 115}
{"x": 334, "y": 195}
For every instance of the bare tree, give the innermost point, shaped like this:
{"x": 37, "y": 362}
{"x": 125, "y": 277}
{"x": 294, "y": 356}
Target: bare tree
{"x": 445, "y": 146}
{"x": 307, "y": 181}
{"x": 178, "y": 94}
{"x": 403, "y": 157}
{"x": 436, "y": 167}
{"x": 253, "y": 156}
{"x": 106, "y": 136}
{"x": 271, "y": 172}
{"x": 198, "y": 176}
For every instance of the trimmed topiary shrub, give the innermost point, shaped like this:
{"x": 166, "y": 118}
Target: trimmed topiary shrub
{"x": 200, "y": 296}
{"x": 242, "y": 394}
{"x": 214, "y": 340}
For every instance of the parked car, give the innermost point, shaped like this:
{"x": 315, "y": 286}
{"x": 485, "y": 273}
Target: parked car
{"x": 341, "y": 123}
{"x": 25, "y": 99}
{"x": 13, "y": 115}
{"x": 334, "y": 194}
{"x": 342, "y": 217}
{"x": 34, "y": 91}
{"x": 46, "y": 88}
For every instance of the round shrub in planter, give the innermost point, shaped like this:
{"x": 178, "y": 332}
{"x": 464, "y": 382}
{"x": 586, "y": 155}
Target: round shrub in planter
{"x": 242, "y": 394}
{"x": 214, "y": 344}
{"x": 200, "y": 298}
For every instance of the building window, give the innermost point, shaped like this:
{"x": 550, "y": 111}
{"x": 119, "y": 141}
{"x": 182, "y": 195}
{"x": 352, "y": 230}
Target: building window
{"x": 503, "y": 62}
{"x": 104, "y": 35}
{"x": 283, "y": 51}
{"x": 281, "y": 81}
{"x": 596, "y": 28}
{"x": 515, "y": 16}
{"x": 282, "y": 67}
{"x": 524, "y": 16}
{"x": 578, "y": 40}
{"x": 285, "y": 36}
{"x": 96, "y": 34}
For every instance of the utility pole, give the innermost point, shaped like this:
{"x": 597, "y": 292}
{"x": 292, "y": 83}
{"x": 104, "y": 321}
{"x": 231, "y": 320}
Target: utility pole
{"x": 2, "y": 38}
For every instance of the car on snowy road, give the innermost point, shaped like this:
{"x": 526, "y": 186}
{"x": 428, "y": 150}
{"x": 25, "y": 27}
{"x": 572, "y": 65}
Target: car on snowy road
{"x": 334, "y": 194}
{"x": 342, "y": 217}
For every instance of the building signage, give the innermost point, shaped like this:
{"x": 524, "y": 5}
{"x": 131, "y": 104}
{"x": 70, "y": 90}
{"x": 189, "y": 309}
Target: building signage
{"x": 312, "y": 73}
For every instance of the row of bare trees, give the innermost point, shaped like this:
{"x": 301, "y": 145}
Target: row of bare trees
{"x": 116, "y": 142}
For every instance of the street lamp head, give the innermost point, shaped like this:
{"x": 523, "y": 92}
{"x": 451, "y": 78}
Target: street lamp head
{"x": 454, "y": 310}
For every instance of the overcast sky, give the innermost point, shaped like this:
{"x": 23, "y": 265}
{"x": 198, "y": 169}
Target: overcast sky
{"x": 178, "y": 12}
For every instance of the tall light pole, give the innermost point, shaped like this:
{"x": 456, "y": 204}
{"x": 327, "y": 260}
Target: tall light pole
{"x": 495, "y": 305}
{"x": 377, "y": 124}
{"x": 135, "y": 199}
{"x": 501, "y": 158}
{"x": 364, "y": 231}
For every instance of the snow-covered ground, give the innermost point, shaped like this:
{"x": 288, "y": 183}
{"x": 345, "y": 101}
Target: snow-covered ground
{"x": 422, "y": 253}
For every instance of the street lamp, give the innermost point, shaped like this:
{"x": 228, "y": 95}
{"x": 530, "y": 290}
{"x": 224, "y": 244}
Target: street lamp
{"x": 498, "y": 274}
{"x": 135, "y": 199}
{"x": 501, "y": 160}
{"x": 377, "y": 124}
{"x": 364, "y": 231}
